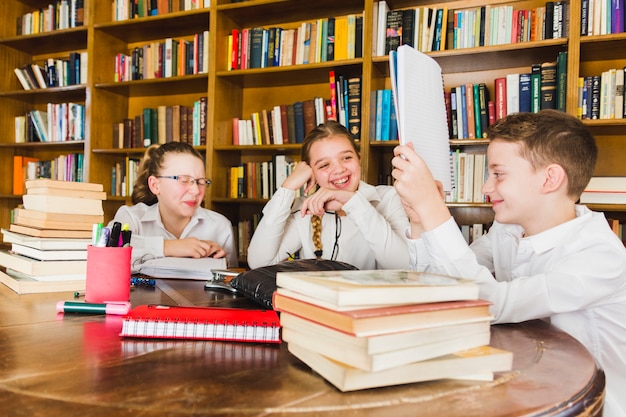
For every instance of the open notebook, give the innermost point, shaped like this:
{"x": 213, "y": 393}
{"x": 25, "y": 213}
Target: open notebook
{"x": 417, "y": 85}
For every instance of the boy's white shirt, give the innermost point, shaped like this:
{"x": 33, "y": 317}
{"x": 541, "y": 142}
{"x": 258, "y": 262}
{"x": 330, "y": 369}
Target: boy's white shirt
{"x": 574, "y": 273}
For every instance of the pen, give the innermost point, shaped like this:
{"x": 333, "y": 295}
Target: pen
{"x": 114, "y": 238}
{"x": 95, "y": 235}
{"x": 118, "y": 308}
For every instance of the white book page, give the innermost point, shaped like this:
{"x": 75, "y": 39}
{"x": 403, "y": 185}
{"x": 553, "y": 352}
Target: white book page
{"x": 417, "y": 85}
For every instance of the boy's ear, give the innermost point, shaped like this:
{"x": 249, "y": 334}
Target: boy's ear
{"x": 555, "y": 178}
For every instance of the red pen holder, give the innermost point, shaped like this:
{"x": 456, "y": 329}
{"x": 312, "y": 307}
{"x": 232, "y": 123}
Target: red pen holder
{"x": 108, "y": 274}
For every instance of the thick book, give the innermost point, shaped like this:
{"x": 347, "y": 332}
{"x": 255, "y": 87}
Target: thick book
{"x": 57, "y": 217}
{"x": 50, "y": 224}
{"x": 24, "y": 284}
{"x": 45, "y": 243}
{"x": 49, "y": 233}
{"x": 548, "y": 85}
{"x": 40, "y": 269}
{"x": 62, "y": 204}
{"x": 478, "y": 361}
{"x": 49, "y": 255}
{"x": 71, "y": 185}
{"x": 384, "y": 320}
{"x": 395, "y": 349}
{"x": 184, "y": 268}
{"x": 378, "y": 287}
{"x": 605, "y": 190}
{"x": 202, "y": 323}
{"x": 418, "y": 93}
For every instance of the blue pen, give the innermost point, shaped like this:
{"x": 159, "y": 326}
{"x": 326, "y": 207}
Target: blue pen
{"x": 104, "y": 237}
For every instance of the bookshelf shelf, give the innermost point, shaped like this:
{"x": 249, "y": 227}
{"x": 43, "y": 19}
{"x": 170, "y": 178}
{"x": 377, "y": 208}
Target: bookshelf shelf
{"x": 40, "y": 43}
{"x": 158, "y": 86}
{"x": 175, "y": 24}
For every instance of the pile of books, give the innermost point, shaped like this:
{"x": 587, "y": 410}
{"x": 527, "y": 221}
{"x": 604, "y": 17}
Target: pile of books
{"x": 49, "y": 235}
{"x": 365, "y": 329}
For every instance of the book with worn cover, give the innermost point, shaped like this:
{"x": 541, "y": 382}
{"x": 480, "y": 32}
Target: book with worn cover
{"x": 25, "y": 284}
{"x": 57, "y": 217}
{"x": 63, "y": 204}
{"x": 376, "y": 353}
{"x": 42, "y": 243}
{"x": 49, "y": 233}
{"x": 49, "y": 255}
{"x": 378, "y": 287}
{"x": 418, "y": 93}
{"x": 482, "y": 361}
{"x": 70, "y": 185}
{"x": 202, "y": 323}
{"x": 367, "y": 321}
{"x": 40, "y": 269}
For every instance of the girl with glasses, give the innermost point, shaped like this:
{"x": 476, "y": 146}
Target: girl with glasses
{"x": 166, "y": 218}
{"x": 345, "y": 219}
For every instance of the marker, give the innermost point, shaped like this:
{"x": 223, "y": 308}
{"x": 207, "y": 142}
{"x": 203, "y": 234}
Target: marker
{"x": 114, "y": 237}
{"x": 118, "y": 308}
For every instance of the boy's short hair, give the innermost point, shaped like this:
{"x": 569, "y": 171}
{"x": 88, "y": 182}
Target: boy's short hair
{"x": 552, "y": 137}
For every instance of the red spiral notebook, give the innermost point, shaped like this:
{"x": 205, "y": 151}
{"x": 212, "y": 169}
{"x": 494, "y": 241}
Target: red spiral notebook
{"x": 202, "y": 323}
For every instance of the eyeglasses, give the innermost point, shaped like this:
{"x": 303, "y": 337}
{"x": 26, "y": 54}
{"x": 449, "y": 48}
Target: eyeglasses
{"x": 188, "y": 180}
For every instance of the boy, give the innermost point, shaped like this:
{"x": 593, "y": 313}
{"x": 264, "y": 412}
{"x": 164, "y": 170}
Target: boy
{"x": 545, "y": 256}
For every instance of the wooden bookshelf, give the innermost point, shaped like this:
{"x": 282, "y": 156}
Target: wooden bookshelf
{"x": 238, "y": 93}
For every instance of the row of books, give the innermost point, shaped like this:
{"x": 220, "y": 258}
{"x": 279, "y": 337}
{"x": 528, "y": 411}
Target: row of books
{"x": 67, "y": 167}
{"x": 49, "y": 235}
{"x": 471, "y": 232}
{"x": 178, "y": 123}
{"x": 384, "y": 123}
{"x": 124, "y": 9}
{"x": 61, "y": 122}
{"x": 598, "y": 17}
{"x": 54, "y": 72}
{"x": 321, "y": 40}
{"x": 259, "y": 179}
{"x": 602, "y": 96}
{"x": 289, "y": 123}
{"x": 366, "y": 329}
{"x": 469, "y": 175}
{"x": 123, "y": 177}
{"x": 430, "y": 29}
{"x": 171, "y": 58}
{"x": 62, "y": 14}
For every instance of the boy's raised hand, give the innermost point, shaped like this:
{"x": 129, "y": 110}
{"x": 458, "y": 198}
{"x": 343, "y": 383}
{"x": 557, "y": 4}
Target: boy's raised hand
{"x": 421, "y": 194}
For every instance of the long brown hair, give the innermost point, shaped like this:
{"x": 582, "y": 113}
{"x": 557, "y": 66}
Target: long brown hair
{"x": 151, "y": 164}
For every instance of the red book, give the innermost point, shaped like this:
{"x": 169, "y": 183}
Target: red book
{"x": 383, "y": 320}
{"x": 500, "y": 101}
{"x": 202, "y": 323}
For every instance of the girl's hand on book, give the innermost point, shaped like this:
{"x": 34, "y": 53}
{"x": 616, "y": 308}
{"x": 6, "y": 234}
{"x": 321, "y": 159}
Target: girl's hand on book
{"x": 192, "y": 247}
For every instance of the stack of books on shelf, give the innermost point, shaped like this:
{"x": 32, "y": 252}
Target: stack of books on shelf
{"x": 366, "y": 329}
{"x": 49, "y": 235}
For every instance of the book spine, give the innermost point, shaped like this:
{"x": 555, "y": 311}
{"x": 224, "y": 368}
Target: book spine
{"x": 548, "y": 85}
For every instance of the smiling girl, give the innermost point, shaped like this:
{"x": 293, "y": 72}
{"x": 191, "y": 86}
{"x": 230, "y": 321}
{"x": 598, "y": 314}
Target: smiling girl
{"x": 345, "y": 219}
{"x": 167, "y": 218}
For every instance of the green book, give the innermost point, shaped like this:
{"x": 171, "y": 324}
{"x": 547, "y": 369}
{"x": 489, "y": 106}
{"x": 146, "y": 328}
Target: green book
{"x": 535, "y": 88}
{"x": 561, "y": 77}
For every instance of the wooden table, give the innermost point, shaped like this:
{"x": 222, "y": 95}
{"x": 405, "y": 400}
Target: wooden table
{"x": 77, "y": 365}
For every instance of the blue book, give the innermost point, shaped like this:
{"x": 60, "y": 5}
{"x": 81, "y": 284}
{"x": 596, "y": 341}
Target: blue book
{"x": 256, "y": 47}
{"x": 393, "y": 122}
{"x": 463, "y": 100}
{"x": 524, "y": 92}
{"x": 277, "y": 37}
{"x": 379, "y": 115}
{"x": 386, "y": 115}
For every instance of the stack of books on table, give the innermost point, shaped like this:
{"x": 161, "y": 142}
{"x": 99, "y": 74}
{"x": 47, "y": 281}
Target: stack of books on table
{"x": 49, "y": 235}
{"x": 365, "y": 329}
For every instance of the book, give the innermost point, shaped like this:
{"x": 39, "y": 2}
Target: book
{"x": 58, "y": 217}
{"x": 49, "y": 233}
{"x": 202, "y": 323}
{"x": 369, "y": 321}
{"x": 417, "y": 84}
{"x": 480, "y": 360}
{"x": 50, "y": 224}
{"x": 605, "y": 190}
{"x": 184, "y": 268}
{"x": 49, "y": 255}
{"x": 548, "y": 85}
{"x": 394, "y": 349}
{"x": 62, "y": 204}
{"x": 73, "y": 185}
{"x": 24, "y": 284}
{"x": 376, "y": 288}
{"x": 44, "y": 243}
{"x": 21, "y": 172}
{"x": 39, "y": 269}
